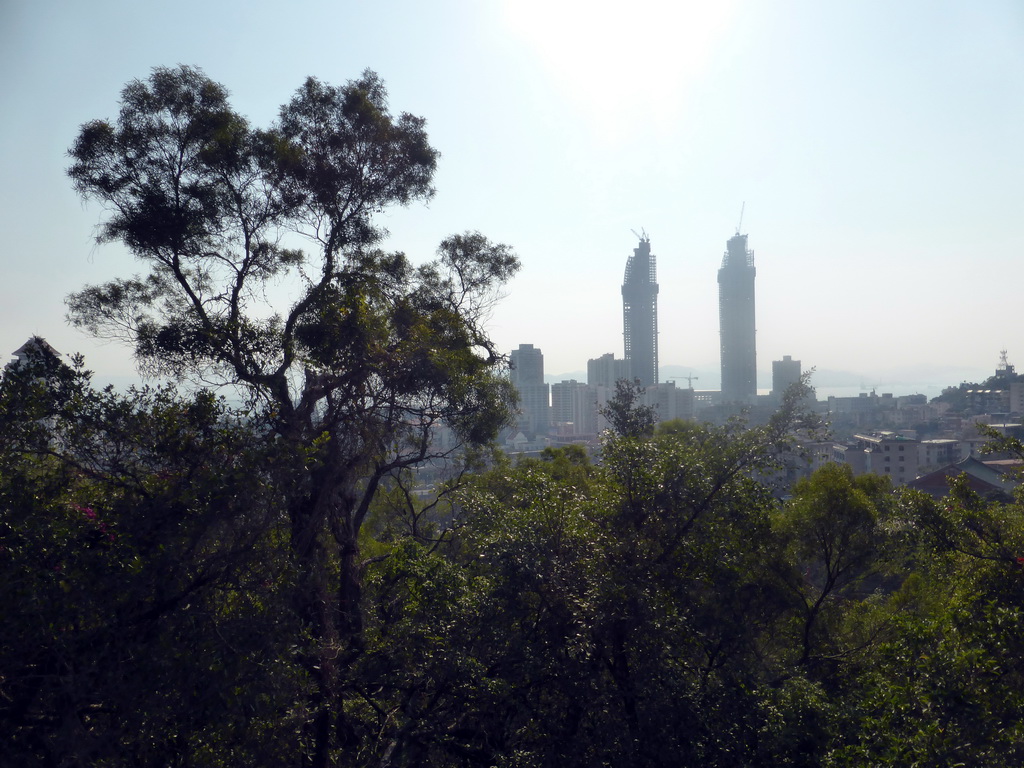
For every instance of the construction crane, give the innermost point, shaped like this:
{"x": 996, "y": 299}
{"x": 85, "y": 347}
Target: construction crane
{"x": 642, "y": 235}
{"x": 689, "y": 380}
{"x": 740, "y": 225}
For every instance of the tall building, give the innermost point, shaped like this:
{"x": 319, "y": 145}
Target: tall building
{"x": 736, "y": 322}
{"x": 785, "y": 373}
{"x": 670, "y": 402}
{"x": 527, "y": 374}
{"x": 574, "y": 408}
{"x": 605, "y": 370}
{"x": 640, "y": 314}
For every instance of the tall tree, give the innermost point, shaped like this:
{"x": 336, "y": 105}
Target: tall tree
{"x": 371, "y": 355}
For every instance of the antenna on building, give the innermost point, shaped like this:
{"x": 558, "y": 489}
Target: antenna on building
{"x": 740, "y": 225}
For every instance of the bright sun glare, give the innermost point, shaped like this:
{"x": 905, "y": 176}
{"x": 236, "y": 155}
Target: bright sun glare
{"x": 608, "y": 55}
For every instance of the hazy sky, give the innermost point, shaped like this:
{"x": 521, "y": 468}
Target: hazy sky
{"x": 878, "y": 147}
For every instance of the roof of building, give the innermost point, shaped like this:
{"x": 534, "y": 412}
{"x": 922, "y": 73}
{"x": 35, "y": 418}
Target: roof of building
{"x": 36, "y": 347}
{"x": 884, "y": 437}
{"x": 983, "y": 479}
{"x": 36, "y": 344}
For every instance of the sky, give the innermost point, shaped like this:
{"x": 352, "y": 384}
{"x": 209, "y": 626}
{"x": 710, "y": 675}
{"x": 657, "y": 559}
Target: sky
{"x": 875, "y": 149}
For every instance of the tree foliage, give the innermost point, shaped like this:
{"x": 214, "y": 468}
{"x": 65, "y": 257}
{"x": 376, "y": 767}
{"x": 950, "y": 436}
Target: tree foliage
{"x": 144, "y": 621}
{"x": 659, "y": 607}
{"x": 372, "y": 356}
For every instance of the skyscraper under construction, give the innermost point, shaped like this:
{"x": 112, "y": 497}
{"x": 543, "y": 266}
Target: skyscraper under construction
{"x": 736, "y": 322}
{"x": 640, "y": 314}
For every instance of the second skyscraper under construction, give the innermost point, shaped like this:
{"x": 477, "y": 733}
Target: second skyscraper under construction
{"x": 640, "y": 314}
{"x": 736, "y": 322}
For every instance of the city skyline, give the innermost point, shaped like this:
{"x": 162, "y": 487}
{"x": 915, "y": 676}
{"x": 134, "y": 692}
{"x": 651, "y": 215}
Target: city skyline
{"x": 876, "y": 147}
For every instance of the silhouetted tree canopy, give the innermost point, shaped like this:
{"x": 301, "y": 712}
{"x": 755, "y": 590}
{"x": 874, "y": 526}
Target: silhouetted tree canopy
{"x": 371, "y": 356}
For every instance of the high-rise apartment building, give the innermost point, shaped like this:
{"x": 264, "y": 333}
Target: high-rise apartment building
{"x": 574, "y": 408}
{"x": 785, "y": 373}
{"x": 670, "y": 402}
{"x": 605, "y": 370}
{"x": 736, "y": 322}
{"x": 526, "y": 366}
{"x": 640, "y": 314}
